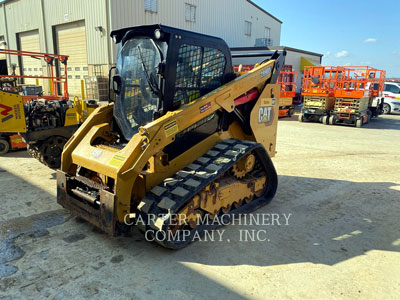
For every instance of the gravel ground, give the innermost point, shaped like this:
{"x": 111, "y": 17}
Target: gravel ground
{"x": 340, "y": 184}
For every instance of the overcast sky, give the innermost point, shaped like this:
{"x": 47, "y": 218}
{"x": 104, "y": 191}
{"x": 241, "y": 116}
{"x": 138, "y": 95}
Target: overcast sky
{"x": 347, "y": 32}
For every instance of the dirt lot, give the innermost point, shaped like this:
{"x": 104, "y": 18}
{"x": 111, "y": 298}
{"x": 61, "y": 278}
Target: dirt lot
{"x": 341, "y": 185}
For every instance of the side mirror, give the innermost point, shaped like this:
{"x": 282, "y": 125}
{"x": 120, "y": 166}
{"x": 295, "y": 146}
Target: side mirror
{"x": 116, "y": 84}
{"x": 111, "y": 92}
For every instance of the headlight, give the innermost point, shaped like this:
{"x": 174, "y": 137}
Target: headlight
{"x": 158, "y": 34}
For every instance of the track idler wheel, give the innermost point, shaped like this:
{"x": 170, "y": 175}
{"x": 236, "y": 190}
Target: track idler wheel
{"x": 51, "y": 151}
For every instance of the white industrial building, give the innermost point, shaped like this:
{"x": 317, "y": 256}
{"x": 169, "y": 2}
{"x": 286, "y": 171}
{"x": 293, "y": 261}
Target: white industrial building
{"x": 297, "y": 58}
{"x": 81, "y": 29}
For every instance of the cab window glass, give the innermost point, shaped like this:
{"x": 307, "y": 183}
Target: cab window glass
{"x": 199, "y": 70}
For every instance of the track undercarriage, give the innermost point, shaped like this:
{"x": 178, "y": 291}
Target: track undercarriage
{"x": 234, "y": 177}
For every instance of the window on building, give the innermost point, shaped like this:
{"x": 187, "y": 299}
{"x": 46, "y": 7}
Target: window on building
{"x": 267, "y": 32}
{"x": 247, "y": 29}
{"x": 190, "y": 12}
{"x": 150, "y": 5}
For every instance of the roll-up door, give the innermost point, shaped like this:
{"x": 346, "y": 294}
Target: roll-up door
{"x": 71, "y": 41}
{"x": 29, "y": 41}
{"x": 3, "y": 61}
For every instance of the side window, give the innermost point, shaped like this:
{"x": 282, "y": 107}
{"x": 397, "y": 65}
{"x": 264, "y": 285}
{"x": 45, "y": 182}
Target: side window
{"x": 392, "y": 88}
{"x": 395, "y": 89}
{"x": 199, "y": 70}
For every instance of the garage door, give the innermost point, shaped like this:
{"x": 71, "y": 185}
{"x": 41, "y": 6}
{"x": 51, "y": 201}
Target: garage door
{"x": 3, "y": 62}
{"x": 29, "y": 41}
{"x": 71, "y": 40}
{"x": 2, "y": 55}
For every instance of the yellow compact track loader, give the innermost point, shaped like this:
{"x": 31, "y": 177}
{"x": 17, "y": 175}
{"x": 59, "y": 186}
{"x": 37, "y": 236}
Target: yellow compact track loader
{"x": 184, "y": 142}
{"x": 44, "y": 125}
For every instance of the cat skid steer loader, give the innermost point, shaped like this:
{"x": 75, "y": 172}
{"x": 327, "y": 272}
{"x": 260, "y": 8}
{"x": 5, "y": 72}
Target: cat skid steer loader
{"x": 185, "y": 140}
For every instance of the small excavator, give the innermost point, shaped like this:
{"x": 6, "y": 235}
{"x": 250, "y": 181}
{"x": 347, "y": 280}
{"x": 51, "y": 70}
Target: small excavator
{"x": 184, "y": 139}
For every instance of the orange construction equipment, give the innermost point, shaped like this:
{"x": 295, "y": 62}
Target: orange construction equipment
{"x": 318, "y": 90}
{"x": 359, "y": 82}
{"x": 8, "y": 83}
{"x": 54, "y": 80}
{"x": 358, "y": 95}
{"x": 287, "y": 79}
{"x": 342, "y": 95}
{"x": 319, "y": 81}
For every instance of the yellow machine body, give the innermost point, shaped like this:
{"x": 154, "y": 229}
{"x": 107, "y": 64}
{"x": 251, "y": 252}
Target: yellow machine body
{"x": 12, "y": 114}
{"x": 125, "y": 166}
{"x": 287, "y": 101}
{"x": 202, "y": 148}
{"x": 319, "y": 102}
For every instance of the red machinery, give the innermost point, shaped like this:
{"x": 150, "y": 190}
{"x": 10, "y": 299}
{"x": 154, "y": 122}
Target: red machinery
{"x": 287, "y": 79}
{"x": 49, "y": 59}
{"x": 16, "y": 141}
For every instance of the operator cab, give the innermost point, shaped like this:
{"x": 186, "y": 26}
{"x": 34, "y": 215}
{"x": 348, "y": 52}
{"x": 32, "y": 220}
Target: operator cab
{"x": 160, "y": 68}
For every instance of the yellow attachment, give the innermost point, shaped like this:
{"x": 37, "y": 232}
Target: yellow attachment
{"x": 78, "y": 113}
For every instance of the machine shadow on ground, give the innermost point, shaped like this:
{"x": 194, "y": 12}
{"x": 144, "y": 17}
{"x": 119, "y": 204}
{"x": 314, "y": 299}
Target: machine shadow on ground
{"x": 34, "y": 248}
{"x": 17, "y": 153}
{"x": 389, "y": 122}
{"x": 331, "y": 221}
{"x": 325, "y": 227}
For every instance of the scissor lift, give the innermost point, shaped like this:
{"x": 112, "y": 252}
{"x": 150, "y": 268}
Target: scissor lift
{"x": 355, "y": 91}
{"x": 53, "y": 78}
{"x": 318, "y": 92}
{"x": 287, "y": 79}
{"x": 8, "y": 83}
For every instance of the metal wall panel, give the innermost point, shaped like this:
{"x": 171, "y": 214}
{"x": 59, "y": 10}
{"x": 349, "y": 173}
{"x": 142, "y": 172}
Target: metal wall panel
{"x": 223, "y": 18}
{"x": 93, "y": 12}
{"x": 22, "y": 16}
{"x": 3, "y": 33}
